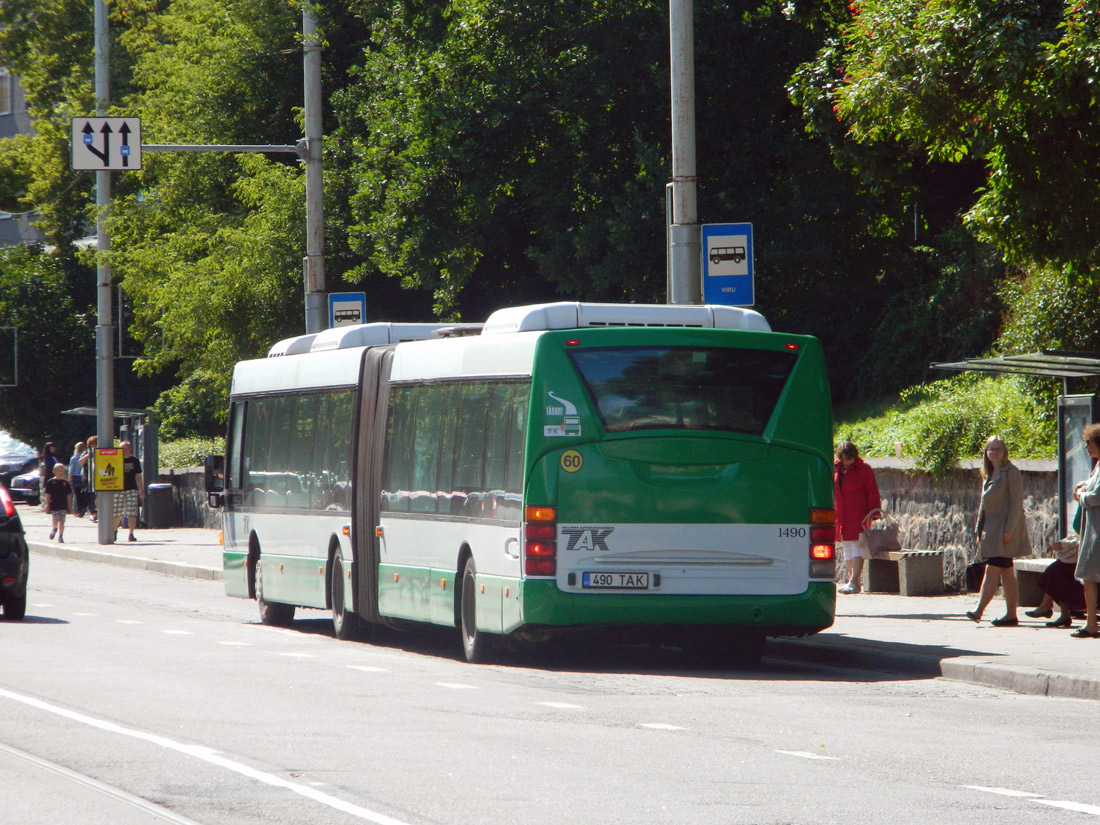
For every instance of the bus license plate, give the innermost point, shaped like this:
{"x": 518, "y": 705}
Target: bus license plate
{"x": 617, "y": 581}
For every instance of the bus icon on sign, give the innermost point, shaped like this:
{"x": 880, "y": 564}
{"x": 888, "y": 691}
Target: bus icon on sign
{"x": 347, "y": 316}
{"x": 727, "y": 253}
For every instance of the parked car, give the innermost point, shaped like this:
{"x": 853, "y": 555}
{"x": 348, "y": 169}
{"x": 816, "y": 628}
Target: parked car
{"x": 27, "y": 487}
{"x": 14, "y": 560}
{"x": 16, "y": 462}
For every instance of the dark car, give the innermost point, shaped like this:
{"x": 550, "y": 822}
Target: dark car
{"x": 27, "y": 487}
{"x": 14, "y": 464}
{"x": 14, "y": 560}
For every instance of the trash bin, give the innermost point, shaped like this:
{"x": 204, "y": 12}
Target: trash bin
{"x": 160, "y": 506}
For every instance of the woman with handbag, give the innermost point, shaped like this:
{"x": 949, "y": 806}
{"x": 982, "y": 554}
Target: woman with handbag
{"x": 1001, "y": 529}
{"x": 856, "y": 495}
{"x": 1088, "y": 554}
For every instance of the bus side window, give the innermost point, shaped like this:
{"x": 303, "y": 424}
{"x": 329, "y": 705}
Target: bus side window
{"x": 425, "y": 458}
{"x": 257, "y": 436}
{"x": 397, "y": 470}
{"x": 450, "y": 498}
{"x": 337, "y": 443}
{"x": 282, "y": 423}
{"x": 234, "y": 480}
{"x": 496, "y": 445}
{"x": 517, "y": 432}
{"x": 303, "y": 432}
{"x": 469, "y": 473}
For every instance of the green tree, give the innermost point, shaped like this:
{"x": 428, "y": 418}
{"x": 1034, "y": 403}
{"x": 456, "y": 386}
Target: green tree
{"x": 55, "y": 349}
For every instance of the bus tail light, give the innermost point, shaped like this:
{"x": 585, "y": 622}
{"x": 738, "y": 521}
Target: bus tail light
{"x": 822, "y": 544}
{"x": 540, "y": 541}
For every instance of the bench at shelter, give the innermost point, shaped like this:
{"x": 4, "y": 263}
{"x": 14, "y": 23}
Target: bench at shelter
{"x": 908, "y": 572}
{"x": 1028, "y": 572}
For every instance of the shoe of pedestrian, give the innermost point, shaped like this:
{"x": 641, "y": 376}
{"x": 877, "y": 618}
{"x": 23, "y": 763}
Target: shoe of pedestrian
{"x": 60, "y": 539}
{"x": 974, "y": 617}
{"x": 1085, "y": 633}
{"x": 53, "y": 533}
{"x": 1040, "y": 614}
{"x": 1005, "y": 621}
{"x": 1061, "y": 621}
{"x": 849, "y": 590}
{"x": 132, "y": 538}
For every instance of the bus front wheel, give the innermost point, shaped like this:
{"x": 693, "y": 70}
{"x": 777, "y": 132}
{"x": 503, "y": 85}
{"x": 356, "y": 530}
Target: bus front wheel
{"x": 477, "y": 646}
{"x": 271, "y": 613}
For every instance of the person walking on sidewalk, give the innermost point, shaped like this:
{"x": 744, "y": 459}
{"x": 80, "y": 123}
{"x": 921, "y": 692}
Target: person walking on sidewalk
{"x": 76, "y": 479}
{"x": 856, "y": 494}
{"x": 128, "y": 500}
{"x": 1001, "y": 530}
{"x": 87, "y": 461}
{"x": 58, "y": 495}
{"x": 1088, "y": 553}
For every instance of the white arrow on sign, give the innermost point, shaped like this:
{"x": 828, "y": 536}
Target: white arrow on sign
{"x": 106, "y": 144}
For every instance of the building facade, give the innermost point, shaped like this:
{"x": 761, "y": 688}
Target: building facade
{"x": 14, "y": 120}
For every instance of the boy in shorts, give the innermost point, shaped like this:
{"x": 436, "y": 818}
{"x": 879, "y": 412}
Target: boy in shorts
{"x": 58, "y": 494}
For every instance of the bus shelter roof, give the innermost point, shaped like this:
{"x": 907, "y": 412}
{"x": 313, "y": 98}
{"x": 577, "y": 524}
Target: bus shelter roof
{"x": 118, "y": 413}
{"x": 1045, "y": 363}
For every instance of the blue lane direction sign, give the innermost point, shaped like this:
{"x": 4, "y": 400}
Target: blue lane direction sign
{"x": 346, "y": 309}
{"x": 105, "y": 144}
{"x": 727, "y": 264}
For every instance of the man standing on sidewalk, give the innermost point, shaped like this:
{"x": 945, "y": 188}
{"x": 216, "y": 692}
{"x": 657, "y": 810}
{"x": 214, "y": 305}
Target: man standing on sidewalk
{"x": 856, "y": 493}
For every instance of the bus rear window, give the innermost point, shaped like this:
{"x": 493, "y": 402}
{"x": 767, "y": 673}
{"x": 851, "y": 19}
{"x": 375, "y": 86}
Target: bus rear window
{"x": 684, "y": 388}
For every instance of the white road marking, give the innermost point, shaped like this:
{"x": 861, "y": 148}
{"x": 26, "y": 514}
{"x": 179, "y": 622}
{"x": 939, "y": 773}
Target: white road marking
{"x": 1070, "y": 806}
{"x": 561, "y": 705}
{"x": 177, "y": 632}
{"x": 369, "y": 668}
{"x": 129, "y": 621}
{"x": 236, "y": 644}
{"x": 660, "y": 726}
{"x": 808, "y": 755}
{"x": 43, "y": 604}
{"x": 456, "y": 686}
{"x": 209, "y": 756}
{"x": 1002, "y": 791}
{"x": 85, "y": 614}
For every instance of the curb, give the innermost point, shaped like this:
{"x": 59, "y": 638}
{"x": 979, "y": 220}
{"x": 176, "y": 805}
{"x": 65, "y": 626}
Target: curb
{"x": 865, "y": 656}
{"x": 168, "y": 568}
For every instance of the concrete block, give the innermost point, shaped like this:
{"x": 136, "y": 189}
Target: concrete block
{"x": 920, "y": 574}
{"x": 881, "y": 576}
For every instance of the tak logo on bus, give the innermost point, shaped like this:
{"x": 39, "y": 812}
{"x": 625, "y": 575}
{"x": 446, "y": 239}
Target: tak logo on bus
{"x": 587, "y": 538}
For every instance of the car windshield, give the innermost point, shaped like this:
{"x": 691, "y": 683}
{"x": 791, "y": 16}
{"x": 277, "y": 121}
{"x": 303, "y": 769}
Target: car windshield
{"x": 684, "y": 388}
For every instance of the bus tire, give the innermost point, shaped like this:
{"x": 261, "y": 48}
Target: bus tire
{"x": 15, "y": 608}
{"x": 272, "y": 614}
{"x": 345, "y": 623}
{"x": 477, "y": 646}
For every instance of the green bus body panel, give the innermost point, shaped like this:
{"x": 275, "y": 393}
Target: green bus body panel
{"x": 301, "y": 581}
{"x": 809, "y": 612}
{"x": 235, "y": 573}
{"x": 416, "y": 593}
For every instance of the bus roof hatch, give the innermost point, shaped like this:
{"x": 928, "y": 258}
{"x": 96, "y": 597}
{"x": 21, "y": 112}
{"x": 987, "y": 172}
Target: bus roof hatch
{"x": 575, "y": 315}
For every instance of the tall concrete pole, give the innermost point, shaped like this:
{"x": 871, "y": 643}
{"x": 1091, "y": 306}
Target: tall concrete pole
{"x": 104, "y": 330}
{"x": 685, "y": 260}
{"x": 314, "y": 263}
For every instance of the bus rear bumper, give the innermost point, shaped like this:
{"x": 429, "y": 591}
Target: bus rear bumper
{"x": 543, "y": 604}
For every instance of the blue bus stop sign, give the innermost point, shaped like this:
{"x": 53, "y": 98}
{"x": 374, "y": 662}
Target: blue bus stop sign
{"x": 346, "y": 309}
{"x": 727, "y": 264}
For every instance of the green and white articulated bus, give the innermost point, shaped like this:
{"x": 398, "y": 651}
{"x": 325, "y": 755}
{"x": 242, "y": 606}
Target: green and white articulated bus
{"x": 660, "y": 470}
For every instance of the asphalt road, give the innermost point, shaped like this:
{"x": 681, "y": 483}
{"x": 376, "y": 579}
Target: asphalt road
{"x": 128, "y": 696}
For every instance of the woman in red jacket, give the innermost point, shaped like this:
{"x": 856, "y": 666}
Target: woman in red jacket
{"x": 856, "y": 496}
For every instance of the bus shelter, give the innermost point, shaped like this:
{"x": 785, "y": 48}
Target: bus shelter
{"x": 1077, "y": 371}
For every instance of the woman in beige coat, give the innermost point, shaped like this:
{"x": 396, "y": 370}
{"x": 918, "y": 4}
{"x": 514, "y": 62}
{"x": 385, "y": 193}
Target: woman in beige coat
{"x": 1002, "y": 530}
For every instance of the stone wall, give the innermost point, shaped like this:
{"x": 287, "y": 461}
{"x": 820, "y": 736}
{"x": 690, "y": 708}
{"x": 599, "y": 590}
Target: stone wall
{"x": 189, "y": 494}
{"x": 939, "y": 512}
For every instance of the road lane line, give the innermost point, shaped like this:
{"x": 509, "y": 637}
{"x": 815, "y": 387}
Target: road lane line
{"x": 177, "y": 632}
{"x": 660, "y": 726}
{"x": 456, "y": 686}
{"x": 1070, "y": 806}
{"x": 1002, "y": 791}
{"x": 561, "y": 705}
{"x": 368, "y": 668}
{"x": 209, "y": 756}
{"x": 808, "y": 755}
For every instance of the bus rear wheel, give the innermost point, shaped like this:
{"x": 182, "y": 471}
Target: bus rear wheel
{"x": 272, "y": 614}
{"x": 345, "y": 623}
{"x": 477, "y": 646}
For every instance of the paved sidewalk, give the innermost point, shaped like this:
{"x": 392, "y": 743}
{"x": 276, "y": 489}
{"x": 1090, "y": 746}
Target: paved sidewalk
{"x": 913, "y": 636}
